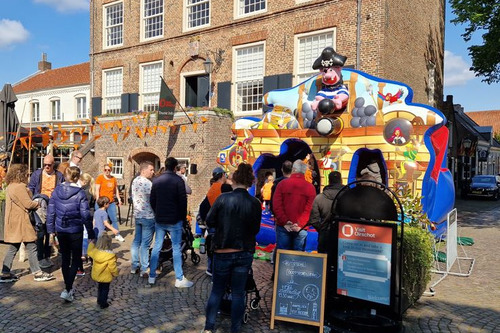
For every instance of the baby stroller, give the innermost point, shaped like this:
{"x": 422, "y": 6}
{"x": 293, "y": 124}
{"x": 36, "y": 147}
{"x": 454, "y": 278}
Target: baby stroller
{"x": 166, "y": 252}
{"x": 252, "y": 298}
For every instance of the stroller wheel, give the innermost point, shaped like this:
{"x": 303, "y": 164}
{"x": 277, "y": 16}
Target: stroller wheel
{"x": 254, "y": 304}
{"x": 245, "y": 317}
{"x": 184, "y": 256}
{"x": 195, "y": 258}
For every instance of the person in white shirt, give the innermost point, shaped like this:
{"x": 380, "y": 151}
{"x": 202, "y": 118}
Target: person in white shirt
{"x": 144, "y": 219}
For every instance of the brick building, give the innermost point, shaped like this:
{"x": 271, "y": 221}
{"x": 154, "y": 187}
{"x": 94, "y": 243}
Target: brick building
{"x": 254, "y": 47}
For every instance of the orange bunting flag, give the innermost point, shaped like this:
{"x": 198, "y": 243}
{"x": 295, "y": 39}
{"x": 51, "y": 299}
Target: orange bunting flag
{"x": 139, "y": 133}
{"x": 45, "y": 139}
{"x": 204, "y": 120}
{"x": 195, "y": 127}
{"x": 125, "y": 135}
{"x": 88, "y": 121}
{"x": 96, "y": 120}
{"x": 23, "y": 142}
{"x": 81, "y": 130}
{"x": 55, "y": 135}
{"x": 163, "y": 129}
{"x": 134, "y": 119}
{"x": 119, "y": 125}
{"x": 79, "y": 122}
{"x": 70, "y": 123}
{"x": 59, "y": 126}
{"x": 115, "y": 137}
{"x": 76, "y": 146}
{"x": 149, "y": 130}
{"x": 107, "y": 125}
{"x": 73, "y": 130}
{"x": 183, "y": 128}
{"x": 83, "y": 139}
{"x": 100, "y": 126}
{"x": 97, "y": 136}
{"x": 190, "y": 114}
{"x": 39, "y": 128}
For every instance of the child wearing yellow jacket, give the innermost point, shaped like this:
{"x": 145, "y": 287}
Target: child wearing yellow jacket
{"x": 103, "y": 267}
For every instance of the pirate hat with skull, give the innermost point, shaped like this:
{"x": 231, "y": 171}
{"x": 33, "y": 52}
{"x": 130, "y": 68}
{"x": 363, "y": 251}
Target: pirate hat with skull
{"x": 329, "y": 58}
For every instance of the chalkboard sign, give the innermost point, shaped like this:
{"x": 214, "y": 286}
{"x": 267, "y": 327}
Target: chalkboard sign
{"x": 299, "y": 288}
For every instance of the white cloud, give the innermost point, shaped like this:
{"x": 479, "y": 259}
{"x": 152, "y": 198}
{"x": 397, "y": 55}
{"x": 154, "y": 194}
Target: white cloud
{"x": 456, "y": 70}
{"x": 12, "y": 32}
{"x": 67, "y": 5}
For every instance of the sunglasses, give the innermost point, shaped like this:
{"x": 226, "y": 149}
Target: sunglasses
{"x": 107, "y": 169}
{"x": 47, "y": 165}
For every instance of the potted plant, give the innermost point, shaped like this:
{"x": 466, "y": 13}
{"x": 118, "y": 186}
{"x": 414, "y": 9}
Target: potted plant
{"x": 418, "y": 249}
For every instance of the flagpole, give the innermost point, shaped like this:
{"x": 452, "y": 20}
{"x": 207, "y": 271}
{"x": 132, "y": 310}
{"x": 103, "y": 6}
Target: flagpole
{"x": 29, "y": 140}
{"x": 190, "y": 121}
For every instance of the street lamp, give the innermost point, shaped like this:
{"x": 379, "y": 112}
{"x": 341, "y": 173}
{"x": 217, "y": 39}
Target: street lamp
{"x": 208, "y": 65}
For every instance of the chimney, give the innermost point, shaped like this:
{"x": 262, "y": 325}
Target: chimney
{"x": 44, "y": 65}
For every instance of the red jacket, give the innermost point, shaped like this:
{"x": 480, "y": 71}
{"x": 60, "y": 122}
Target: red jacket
{"x": 293, "y": 200}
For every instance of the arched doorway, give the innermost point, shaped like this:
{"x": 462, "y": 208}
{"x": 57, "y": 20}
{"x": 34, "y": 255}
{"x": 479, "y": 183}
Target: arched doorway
{"x": 145, "y": 156}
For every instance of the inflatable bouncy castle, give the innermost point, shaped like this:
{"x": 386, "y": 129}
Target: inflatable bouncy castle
{"x": 348, "y": 121}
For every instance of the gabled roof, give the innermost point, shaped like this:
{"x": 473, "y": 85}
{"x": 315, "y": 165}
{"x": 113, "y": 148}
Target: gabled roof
{"x": 486, "y": 118}
{"x": 55, "y": 78}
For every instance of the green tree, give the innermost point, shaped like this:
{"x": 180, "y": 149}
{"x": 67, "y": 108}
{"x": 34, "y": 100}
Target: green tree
{"x": 481, "y": 16}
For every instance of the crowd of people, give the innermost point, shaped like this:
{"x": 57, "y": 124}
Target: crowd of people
{"x": 81, "y": 217}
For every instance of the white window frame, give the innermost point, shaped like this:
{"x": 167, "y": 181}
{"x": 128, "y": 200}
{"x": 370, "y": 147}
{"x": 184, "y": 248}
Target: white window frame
{"x": 82, "y": 112}
{"x": 145, "y": 20}
{"x": 236, "y": 82}
{"x": 55, "y": 109}
{"x": 117, "y": 167}
{"x": 240, "y": 4}
{"x": 184, "y": 161}
{"x": 35, "y": 111}
{"x": 182, "y": 92}
{"x": 106, "y": 28}
{"x": 110, "y": 98}
{"x": 188, "y": 7}
{"x": 301, "y": 75}
{"x": 150, "y": 92}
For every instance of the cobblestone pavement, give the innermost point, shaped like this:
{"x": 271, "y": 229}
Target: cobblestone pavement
{"x": 460, "y": 304}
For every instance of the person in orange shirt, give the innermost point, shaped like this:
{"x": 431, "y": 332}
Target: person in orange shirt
{"x": 106, "y": 185}
{"x": 267, "y": 190}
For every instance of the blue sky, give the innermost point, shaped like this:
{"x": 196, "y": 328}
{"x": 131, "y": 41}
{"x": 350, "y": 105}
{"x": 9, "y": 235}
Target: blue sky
{"x": 60, "y": 28}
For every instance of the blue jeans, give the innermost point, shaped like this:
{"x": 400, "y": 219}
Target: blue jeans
{"x": 175, "y": 231}
{"x": 290, "y": 240}
{"x": 233, "y": 268}
{"x": 144, "y": 231}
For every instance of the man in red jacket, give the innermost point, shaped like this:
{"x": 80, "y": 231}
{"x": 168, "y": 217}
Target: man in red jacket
{"x": 292, "y": 204}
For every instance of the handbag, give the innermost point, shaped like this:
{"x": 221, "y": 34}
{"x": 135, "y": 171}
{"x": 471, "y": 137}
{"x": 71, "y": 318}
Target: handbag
{"x": 31, "y": 214}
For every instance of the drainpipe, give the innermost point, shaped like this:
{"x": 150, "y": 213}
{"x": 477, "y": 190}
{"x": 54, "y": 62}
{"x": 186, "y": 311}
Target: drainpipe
{"x": 358, "y": 37}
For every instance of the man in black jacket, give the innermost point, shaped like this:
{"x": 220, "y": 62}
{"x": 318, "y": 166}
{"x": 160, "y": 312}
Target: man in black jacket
{"x": 321, "y": 213}
{"x": 169, "y": 202}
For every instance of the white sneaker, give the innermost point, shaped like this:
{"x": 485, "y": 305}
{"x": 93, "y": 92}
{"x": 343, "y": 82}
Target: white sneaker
{"x": 151, "y": 280}
{"x": 184, "y": 283}
{"x": 119, "y": 238}
{"x": 68, "y": 296}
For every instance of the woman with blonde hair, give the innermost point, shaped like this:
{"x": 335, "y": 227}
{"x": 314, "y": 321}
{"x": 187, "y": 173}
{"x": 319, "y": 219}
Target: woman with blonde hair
{"x": 18, "y": 228}
{"x": 87, "y": 183}
{"x": 68, "y": 212}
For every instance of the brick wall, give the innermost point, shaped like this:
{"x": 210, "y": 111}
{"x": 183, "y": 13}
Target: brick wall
{"x": 392, "y": 45}
{"x": 201, "y": 147}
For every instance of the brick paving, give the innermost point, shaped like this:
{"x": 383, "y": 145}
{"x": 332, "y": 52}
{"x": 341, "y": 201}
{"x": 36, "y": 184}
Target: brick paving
{"x": 460, "y": 304}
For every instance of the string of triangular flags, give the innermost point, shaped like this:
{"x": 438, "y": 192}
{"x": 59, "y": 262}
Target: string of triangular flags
{"x": 123, "y": 128}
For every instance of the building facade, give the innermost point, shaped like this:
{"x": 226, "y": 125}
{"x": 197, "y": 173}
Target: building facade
{"x": 254, "y": 46}
{"x": 57, "y": 102}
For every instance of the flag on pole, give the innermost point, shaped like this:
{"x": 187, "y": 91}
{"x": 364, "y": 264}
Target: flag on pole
{"x": 167, "y": 102}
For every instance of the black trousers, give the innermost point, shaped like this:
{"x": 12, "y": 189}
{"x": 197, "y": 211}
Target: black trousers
{"x": 102, "y": 293}
{"x": 70, "y": 246}
{"x": 43, "y": 243}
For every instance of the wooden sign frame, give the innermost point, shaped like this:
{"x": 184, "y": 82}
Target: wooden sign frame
{"x": 274, "y": 317}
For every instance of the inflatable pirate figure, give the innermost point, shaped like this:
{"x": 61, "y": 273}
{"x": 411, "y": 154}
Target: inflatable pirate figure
{"x": 333, "y": 95}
